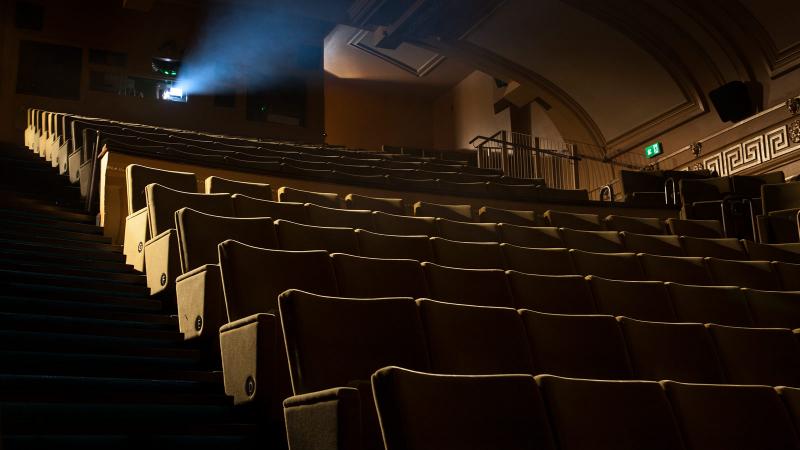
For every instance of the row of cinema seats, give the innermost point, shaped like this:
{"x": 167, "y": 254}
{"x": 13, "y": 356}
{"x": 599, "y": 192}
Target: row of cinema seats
{"x": 254, "y": 277}
{"x": 452, "y": 339}
{"x": 519, "y": 412}
{"x": 69, "y": 142}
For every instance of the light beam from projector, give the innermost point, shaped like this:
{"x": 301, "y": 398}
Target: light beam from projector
{"x": 242, "y": 45}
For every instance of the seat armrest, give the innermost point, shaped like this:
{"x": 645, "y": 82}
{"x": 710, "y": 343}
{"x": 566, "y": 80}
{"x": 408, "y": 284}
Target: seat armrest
{"x": 329, "y": 419}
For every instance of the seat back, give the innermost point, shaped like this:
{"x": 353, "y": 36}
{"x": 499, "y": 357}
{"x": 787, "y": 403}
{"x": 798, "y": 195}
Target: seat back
{"x": 296, "y": 236}
{"x": 654, "y": 244}
{"x": 725, "y": 417}
{"x": 773, "y": 309}
{"x": 452, "y": 412}
{"x": 533, "y": 237}
{"x": 387, "y": 205}
{"x": 467, "y": 255}
{"x": 322, "y": 216}
{"x": 750, "y": 185}
{"x": 252, "y": 277}
{"x": 617, "y": 266}
{"x": 287, "y": 194}
{"x": 749, "y": 274}
{"x": 137, "y": 177}
{"x": 404, "y": 225}
{"x": 695, "y": 228}
{"x": 671, "y": 351}
{"x": 544, "y": 261}
{"x": 481, "y": 287}
{"x": 781, "y": 196}
{"x": 245, "y": 206}
{"x": 585, "y": 346}
{"x": 706, "y": 189}
{"x": 644, "y": 300}
{"x": 676, "y": 269}
{"x": 722, "y": 248}
{"x": 162, "y": 202}
{"x": 769, "y": 356}
{"x": 592, "y": 241}
{"x": 467, "y": 231}
{"x": 724, "y": 305}
{"x": 609, "y": 415}
{"x": 216, "y": 184}
{"x": 462, "y": 213}
{"x": 376, "y": 245}
{"x": 336, "y": 341}
{"x": 640, "y": 225}
{"x": 789, "y": 253}
{"x": 574, "y": 221}
{"x": 358, "y": 276}
{"x": 488, "y": 214}
{"x": 200, "y": 234}
{"x": 557, "y": 294}
{"x": 474, "y": 340}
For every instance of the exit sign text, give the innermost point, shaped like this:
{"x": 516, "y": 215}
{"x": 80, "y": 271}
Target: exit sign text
{"x": 653, "y": 150}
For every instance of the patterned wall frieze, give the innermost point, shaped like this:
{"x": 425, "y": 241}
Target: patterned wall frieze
{"x": 755, "y": 150}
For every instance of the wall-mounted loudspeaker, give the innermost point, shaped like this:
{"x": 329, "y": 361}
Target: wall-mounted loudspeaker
{"x": 737, "y": 100}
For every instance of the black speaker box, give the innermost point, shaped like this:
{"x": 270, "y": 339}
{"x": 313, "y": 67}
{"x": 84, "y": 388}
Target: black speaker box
{"x": 737, "y": 100}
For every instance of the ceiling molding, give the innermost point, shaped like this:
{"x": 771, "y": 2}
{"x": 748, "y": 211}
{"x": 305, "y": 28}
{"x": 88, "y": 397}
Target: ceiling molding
{"x": 498, "y": 66}
{"x": 358, "y": 41}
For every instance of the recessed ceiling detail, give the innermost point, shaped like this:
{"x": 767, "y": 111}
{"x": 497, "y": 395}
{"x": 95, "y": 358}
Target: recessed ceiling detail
{"x": 410, "y": 58}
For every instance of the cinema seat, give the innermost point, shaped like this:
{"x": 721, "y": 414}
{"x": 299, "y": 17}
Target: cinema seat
{"x": 357, "y": 276}
{"x": 467, "y": 231}
{"x": 774, "y": 309}
{"x": 198, "y": 291}
{"x": 404, "y": 225}
{"x": 643, "y": 300}
{"x": 791, "y": 400}
{"x": 287, "y": 194}
{"x": 789, "y": 275}
{"x": 386, "y": 205}
{"x": 617, "y": 266}
{"x": 137, "y": 231}
{"x": 488, "y": 214}
{"x": 729, "y": 417}
{"x": 420, "y": 411}
{"x": 584, "y": 346}
{"x": 162, "y": 264}
{"x": 721, "y": 248}
{"x": 474, "y": 340}
{"x": 639, "y": 225}
{"x": 723, "y": 305}
{"x": 216, "y": 185}
{"x": 574, "y": 221}
{"x": 467, "y": 255}
{"x": 544, "y": 261}
{"x": 769, "y": 356}
{"x": 313, "y": 325}
{"x": 749, "y": 274}
{"x": 322, "y": 216}
{"x": 251, "y": 344}
{"x": 295, "y": 236}
{"x": 556, "y": 294}
{"x": 609, "y": 415}
{"x": 533, "y": 237}
{"x": 462, "y": 213}
{"x": 376, "y": 245}
{"x": 245, "y": 206}
{"x": 789, "y": 253}
{"x": 480, "y": 287}
{"x": 675, "y": 269}
{"x": 695, "y": 228}
{"x": 653, "y": 244}
{"x": 592, "y": 241}
{"x": 671, "y": 351}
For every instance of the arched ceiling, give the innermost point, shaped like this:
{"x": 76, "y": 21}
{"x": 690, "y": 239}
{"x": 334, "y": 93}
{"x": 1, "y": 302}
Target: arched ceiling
{"x": 617, "y": 72}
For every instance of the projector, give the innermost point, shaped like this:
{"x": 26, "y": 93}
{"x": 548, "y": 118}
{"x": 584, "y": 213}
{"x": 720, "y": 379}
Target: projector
{"x": 166, "y": 66}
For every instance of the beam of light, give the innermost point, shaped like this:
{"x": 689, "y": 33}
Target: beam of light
{"x": 243, "y": 45}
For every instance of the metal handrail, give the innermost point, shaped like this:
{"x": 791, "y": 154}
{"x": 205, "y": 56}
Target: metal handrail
{"x": 522, "y": 146}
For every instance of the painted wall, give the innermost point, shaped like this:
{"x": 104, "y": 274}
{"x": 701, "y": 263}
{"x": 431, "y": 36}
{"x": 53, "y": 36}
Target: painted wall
{"x": 368, "y": 114}
{"x": 105, "y": 25}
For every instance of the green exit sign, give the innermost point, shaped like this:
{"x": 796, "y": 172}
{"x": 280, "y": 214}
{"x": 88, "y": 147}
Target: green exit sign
{"x": 653, "y": 150}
